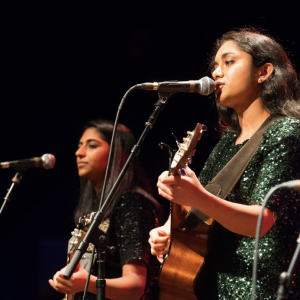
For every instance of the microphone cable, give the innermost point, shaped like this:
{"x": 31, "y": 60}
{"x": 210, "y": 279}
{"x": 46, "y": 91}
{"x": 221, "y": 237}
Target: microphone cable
{"x": 113, "y": 141}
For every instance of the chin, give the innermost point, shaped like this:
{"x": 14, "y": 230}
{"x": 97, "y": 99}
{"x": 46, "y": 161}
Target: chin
{"x": 82, "y": 173}
{"x": 221, "y": 102}
{"x": 224, "y": 102}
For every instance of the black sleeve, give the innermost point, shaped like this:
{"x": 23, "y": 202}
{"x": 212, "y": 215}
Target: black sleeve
{"x": 134, "y": 217}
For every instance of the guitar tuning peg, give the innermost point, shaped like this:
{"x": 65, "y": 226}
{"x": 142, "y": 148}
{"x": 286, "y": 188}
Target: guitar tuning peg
{"x": 183, "y": 146}
{"x": 204, "y": 127}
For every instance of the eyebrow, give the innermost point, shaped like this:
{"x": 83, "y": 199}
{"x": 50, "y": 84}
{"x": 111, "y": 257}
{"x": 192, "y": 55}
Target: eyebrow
{"x": 88, "y": 141}
{"x": 224, "y": 55}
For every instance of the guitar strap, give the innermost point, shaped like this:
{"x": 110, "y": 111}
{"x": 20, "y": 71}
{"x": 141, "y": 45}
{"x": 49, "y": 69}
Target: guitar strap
{"x": 223, "y": 183}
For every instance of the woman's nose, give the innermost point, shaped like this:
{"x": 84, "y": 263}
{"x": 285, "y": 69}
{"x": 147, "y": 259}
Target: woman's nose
{"x": 217, "y": 73}
{"x": 80, "y": 152}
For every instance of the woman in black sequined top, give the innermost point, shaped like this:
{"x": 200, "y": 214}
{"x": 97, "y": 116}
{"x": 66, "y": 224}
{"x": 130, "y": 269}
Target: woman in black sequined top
{"x": 131, "y": 272}
{"x": 254, "y": 79}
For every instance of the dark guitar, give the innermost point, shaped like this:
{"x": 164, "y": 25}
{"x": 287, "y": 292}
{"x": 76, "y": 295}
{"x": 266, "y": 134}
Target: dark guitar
{"x": 186, "y": 255}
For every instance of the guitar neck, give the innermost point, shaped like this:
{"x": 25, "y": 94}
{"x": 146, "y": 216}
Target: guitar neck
{"x": 77, "y": 237}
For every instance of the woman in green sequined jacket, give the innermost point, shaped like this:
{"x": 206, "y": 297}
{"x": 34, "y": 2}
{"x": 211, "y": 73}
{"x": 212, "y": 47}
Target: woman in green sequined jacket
{"x": 254, "y": 79}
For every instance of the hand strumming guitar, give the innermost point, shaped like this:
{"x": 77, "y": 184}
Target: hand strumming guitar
{"x": 160, "y": 240}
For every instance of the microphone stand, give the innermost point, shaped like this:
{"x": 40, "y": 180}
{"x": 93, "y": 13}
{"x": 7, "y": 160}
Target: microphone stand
{"x": 15, "y": 182}
{"x": 285, "y": 278}
{"x": 98, "y": 217}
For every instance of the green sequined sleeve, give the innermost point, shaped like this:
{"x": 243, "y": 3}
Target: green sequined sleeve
{"x": 276, "y": 160}
{"x": 279, "y": 161}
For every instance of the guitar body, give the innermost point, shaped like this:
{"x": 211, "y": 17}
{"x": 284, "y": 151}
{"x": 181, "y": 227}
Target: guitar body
{"x": 184, "y": 262}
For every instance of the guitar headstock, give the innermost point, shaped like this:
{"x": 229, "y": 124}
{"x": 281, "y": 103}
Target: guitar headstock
{"x": 79, "y": 232}
{"x": 187, "y": 149}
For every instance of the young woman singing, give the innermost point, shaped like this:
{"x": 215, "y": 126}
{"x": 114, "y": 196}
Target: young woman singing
{"x": 254, "y": 79}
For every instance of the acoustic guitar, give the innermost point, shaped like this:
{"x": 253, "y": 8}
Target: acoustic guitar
{"x": 182, "y": 265}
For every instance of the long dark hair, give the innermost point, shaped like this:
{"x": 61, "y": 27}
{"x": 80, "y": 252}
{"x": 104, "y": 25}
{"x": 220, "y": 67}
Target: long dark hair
{"x": 134, "y": 179}
{"x": 280, "y": 92}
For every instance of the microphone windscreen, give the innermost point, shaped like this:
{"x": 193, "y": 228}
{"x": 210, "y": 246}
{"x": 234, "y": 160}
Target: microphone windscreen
{"x": 48, "y": 161}
{"x": 207, "y": 86}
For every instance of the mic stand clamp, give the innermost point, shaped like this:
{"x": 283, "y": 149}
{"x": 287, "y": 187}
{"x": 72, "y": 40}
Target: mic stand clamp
{"x": 98, "y": 217}
{"x": 15, "y": 182}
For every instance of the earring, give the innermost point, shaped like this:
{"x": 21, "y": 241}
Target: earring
{"x": 259, "y": 80}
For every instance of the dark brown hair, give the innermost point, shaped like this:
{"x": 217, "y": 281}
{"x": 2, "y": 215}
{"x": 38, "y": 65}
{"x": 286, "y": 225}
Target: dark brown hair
{"x": 134, "y": 180}
{"x": 280, "y": 92}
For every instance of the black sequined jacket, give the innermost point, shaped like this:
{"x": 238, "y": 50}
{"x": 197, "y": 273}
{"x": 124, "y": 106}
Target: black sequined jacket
{"x": 132, "y": 218}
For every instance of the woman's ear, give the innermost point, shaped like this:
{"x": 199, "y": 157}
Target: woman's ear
{"x": 265, "y": 72}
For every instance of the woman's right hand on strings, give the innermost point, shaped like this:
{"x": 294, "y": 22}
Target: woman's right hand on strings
{"x": 159, "y": 241}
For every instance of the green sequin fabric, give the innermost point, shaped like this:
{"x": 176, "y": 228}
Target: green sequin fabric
{"x": 277, "y": 160}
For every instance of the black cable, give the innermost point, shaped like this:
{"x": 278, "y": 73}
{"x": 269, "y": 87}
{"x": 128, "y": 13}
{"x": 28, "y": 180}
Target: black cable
{"x": 112, "y": 142}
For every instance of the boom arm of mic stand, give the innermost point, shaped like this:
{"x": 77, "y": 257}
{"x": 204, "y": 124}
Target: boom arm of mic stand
{"x": 159, "y": 106}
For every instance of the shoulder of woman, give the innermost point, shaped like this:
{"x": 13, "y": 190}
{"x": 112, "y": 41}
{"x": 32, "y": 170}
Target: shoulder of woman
{"x": 227, "y": 139}
{"x": 285, "y": 128}
{"x": 134, "y": 205}
{"x": 134, "y": 199}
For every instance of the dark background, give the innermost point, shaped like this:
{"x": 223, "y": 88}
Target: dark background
{"x": 65, "y": 62}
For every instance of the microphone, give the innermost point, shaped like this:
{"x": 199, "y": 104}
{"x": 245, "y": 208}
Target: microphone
{"x": 47, "y": 161}
{"x": 203, "y": 86}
